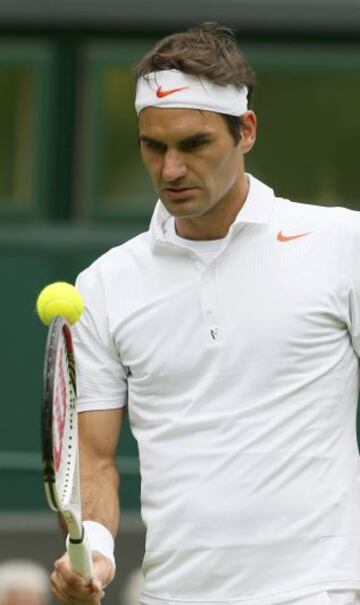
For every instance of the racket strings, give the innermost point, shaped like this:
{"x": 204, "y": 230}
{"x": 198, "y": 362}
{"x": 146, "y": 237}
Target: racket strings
{"x": 65, "y": 423}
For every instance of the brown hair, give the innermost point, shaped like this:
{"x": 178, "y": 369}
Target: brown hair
{"x": 210, "y": 51}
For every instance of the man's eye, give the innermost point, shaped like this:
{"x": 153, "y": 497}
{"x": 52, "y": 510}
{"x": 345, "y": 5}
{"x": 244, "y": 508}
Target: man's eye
{"x": 154, "y": 146}
{"x": 196, "y": 144}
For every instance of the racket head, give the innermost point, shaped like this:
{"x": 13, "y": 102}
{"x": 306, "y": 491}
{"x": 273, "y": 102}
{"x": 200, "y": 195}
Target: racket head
{"x": 58, "y": 417}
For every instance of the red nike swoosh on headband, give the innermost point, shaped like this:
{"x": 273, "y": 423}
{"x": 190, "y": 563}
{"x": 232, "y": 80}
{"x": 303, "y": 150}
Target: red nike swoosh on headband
{"x": 164, "y": 93}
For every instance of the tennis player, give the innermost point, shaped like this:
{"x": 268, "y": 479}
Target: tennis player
{"x": 231, "y": 331}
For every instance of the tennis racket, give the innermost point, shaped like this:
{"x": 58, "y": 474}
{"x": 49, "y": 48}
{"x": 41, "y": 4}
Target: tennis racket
{"x": 60, "y": 442}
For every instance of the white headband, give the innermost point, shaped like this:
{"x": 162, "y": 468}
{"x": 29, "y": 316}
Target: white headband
{"x": 173, "y": 88}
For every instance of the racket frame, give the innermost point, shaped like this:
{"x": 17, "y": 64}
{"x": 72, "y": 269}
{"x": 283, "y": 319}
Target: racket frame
{"x": 77, "y": 544}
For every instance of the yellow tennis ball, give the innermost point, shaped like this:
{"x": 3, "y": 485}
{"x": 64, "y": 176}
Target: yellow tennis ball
{"x": 59, "y": 299}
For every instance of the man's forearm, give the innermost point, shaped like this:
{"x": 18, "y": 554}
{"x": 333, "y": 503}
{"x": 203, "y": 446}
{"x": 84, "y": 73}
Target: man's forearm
{"x": 99, "y": 478}
{"x": 99, "y": 494}
{"x": 99, "y": 432}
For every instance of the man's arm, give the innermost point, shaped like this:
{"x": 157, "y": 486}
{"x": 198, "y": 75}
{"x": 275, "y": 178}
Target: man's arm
{"x": 99, "y": 480}
{"x": 99, "y": 433}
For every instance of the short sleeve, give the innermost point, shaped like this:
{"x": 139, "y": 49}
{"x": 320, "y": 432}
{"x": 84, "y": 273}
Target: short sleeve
{"x": 354, "y": 300}
{"x": 101, "y": 377}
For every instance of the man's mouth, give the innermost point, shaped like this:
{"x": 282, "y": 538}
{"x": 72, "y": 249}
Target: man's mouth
{"x": 179, "y": 192}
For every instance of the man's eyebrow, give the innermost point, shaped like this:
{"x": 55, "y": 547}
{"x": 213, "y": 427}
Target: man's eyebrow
{"x": 199, "y": 137}
{"x": 145, "y": 139}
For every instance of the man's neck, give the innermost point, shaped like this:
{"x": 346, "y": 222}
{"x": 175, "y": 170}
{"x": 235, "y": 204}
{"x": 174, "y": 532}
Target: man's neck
{"x": 215, "y": 223}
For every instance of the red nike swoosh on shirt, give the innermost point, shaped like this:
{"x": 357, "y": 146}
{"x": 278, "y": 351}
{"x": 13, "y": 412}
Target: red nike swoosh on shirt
{"x": 287, "y": 238}
{"x": 164, "y": 93}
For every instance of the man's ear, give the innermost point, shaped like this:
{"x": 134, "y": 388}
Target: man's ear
{"x": 248, "y": 131}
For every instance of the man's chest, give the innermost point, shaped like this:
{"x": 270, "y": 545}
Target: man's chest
{"x": 247, "y": 305}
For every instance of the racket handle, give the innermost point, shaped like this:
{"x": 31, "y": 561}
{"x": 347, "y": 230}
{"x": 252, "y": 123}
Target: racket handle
{"x": 80, "y": 557}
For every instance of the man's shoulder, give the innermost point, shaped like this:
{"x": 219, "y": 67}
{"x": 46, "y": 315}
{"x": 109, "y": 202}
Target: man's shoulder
{"x": 321, "y": 216}
{"x": 119, "y": 258}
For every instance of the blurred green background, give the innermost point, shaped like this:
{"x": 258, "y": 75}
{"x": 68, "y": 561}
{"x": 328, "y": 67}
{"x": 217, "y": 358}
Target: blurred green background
{"x": 72, "y": 184}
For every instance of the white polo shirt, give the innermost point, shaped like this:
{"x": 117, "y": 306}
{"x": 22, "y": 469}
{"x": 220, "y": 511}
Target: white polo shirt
{"x": 241, "y": 376}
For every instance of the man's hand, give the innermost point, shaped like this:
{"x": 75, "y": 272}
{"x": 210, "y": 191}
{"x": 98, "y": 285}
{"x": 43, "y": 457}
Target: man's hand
{"x": 70, "y": 588}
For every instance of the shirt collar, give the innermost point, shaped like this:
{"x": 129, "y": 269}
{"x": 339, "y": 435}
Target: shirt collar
{"x": 256, "y": 209}
{"x": 258, "y": 205}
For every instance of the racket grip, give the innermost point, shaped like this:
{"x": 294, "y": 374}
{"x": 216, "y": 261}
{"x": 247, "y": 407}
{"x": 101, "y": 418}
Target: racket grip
{"x": 80, "y": 557}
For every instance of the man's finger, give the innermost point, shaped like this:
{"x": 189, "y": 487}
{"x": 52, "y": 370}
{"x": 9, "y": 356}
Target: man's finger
{"x": 70, "y": 587}
{"x": 55, "y": 592}
{"x": 104, "y": 569}
{"x": 96, "y": 585}
{"x": 67, "y": 598}
{"x": 68, "y": 591}
{"x": 62, "y": 566}
{"x": 70, "y": 578}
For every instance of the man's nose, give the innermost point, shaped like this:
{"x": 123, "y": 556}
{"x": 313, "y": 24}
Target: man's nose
{"x": 174, "y": 166}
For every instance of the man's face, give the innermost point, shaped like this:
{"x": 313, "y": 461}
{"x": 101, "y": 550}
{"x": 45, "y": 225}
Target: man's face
{"x": 191, "y": 158}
